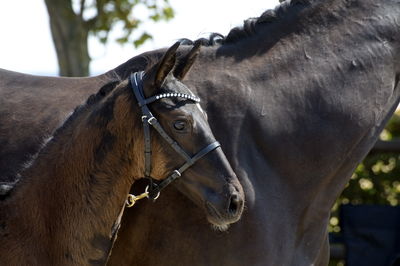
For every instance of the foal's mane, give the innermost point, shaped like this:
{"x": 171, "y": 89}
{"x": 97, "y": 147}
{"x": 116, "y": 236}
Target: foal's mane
{"x": 117, "y": 77}
{"x": 251, "y": 25}
{"x": 7, "y": 187}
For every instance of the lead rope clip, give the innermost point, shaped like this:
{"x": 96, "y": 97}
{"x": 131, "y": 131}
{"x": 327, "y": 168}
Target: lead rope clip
{"x": 131, "y": 200}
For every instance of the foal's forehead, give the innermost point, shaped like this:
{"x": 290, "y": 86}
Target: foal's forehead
{"x": 197, "y": 104}
{"x": 177, "y": 86}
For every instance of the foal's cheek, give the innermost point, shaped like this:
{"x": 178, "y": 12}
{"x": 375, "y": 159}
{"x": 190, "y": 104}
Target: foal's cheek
{"x": 162, "y": 165}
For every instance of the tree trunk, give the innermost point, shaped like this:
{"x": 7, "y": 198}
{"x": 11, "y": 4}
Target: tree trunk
{"x": 70, "y": 37}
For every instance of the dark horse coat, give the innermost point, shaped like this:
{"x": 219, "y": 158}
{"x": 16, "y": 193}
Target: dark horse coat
{"x": 297, "y": 98}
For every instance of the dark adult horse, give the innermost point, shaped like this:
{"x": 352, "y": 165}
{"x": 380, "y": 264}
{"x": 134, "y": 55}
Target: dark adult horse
{"x": 297, "y": 97}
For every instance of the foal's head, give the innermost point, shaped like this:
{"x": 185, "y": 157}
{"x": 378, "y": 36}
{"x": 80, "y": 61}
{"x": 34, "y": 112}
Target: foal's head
{"x": 210, "y": 182}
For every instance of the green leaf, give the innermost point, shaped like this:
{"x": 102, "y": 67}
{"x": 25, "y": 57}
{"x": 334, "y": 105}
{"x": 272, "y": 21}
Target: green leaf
{"x": 155, "y": 17}
{"x": 145, "y": 36}
{"x": 122, "y": 40}
{"x": 168, "y": 13}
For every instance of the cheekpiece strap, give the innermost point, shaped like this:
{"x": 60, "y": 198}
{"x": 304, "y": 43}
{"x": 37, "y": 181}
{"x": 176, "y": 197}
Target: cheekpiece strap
{"x": 137, "y": 87}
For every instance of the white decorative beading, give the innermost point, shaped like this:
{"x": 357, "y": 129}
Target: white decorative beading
{"x": 177, "y": 94}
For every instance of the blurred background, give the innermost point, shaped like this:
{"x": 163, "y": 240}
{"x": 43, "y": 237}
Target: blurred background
{"x": 27, "y": 45}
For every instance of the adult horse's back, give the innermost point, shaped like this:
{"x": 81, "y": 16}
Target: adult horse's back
{"x": 297, "y": 97}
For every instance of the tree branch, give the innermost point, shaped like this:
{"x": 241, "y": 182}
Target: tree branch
{"x": 81, "y": 9}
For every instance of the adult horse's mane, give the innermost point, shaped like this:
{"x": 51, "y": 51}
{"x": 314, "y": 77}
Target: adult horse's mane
{"x": 285, "y": 10}
{"x": 250, "y": 26}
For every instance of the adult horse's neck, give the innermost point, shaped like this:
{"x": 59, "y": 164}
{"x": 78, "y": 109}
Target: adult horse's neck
{"x": 320, "y": 81}
{"x": 321, "y": 78}
{"x": 304, "y": 96}
{"x": 316, "y": 87}
{"x": 66, "y": 207}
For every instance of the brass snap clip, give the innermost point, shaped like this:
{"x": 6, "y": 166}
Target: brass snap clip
{"x": 131, "y": 200}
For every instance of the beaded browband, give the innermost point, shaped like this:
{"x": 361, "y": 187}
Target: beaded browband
{"x": 170, "y": 95}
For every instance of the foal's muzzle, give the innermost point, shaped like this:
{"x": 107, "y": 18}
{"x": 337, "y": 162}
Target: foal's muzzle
{"x": 224, "y": 212}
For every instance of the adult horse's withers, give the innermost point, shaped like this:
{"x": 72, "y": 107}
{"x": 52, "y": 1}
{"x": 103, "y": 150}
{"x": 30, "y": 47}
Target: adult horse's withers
{"x": 298, "y": 97}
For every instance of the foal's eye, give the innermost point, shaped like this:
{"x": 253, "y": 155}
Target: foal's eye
{"x": 180, "y": 125}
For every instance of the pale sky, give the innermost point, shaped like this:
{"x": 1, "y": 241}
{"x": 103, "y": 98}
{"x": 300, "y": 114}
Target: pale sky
{"x": 26, "y": 44}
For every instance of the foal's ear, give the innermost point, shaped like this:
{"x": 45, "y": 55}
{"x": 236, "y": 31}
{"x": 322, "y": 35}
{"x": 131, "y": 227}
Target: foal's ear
{"x": 186, "y": 63}
{"x": 166, "y": 64}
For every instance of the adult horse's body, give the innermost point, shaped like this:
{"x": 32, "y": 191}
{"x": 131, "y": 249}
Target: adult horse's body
{"x": 65, "y": 205}
{"x": 297, "y": 98}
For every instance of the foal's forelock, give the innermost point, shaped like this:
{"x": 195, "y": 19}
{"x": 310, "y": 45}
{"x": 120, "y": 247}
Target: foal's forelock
{"x": 197, "y": 104}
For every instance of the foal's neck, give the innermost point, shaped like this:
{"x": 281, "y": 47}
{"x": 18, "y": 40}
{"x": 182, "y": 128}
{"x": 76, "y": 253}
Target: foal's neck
{"x": 66, "y": 208}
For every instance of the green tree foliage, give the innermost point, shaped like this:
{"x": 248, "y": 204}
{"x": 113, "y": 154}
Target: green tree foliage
{"x": 110, "y": 12}
{"x": 73, "y": 21}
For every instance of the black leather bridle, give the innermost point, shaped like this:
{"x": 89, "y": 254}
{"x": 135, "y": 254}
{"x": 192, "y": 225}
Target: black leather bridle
{"x": 153, "y": 190}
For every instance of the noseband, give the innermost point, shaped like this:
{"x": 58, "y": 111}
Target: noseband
{"x": 153, "y": 191}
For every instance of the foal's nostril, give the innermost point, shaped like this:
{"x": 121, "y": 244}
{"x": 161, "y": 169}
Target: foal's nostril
{"x": 235, "y": 204}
